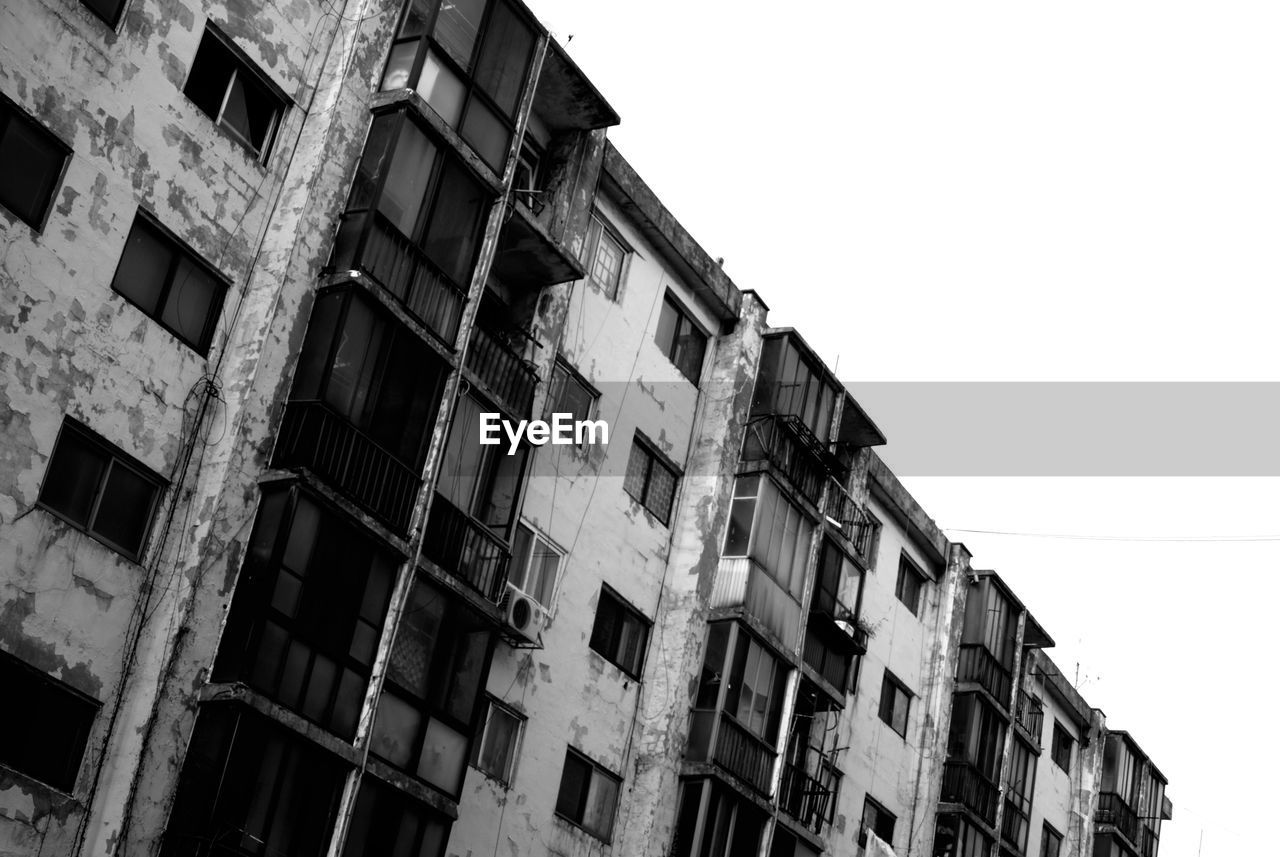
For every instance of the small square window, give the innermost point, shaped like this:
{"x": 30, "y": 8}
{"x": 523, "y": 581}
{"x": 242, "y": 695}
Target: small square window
{"x": 1063, "y": 744}
{"x": 895, "y": 703}
{"x": 108, "y": 10}
{"x": 910, "y": 584}
{"x": 588, "y": 795}
{"x": 494, "y": 751}
{"x": 98, "y": 489}
{"x": 606, "y": 256}
{"x": 620, "y": 633}
{"x": 535, "y": 562}
{"x": 650, "y": 481}
{"x": 681, "y": 339}
{"x": 170, "y": 283}
{"x": 1050, "y": 842}
{"x": 234, "y": 94}
{"x": 31, "y": 164}
{"x": 878, "y": 820}
{"x": 44, "y": 724}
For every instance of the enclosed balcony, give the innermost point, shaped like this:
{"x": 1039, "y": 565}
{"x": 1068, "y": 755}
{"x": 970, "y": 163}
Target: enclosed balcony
{"x": 793, "y": 382}
{"x": 964, "y": 784}
{"x": 1113, "y": 811}
{"x": 717, "y": 737}
{"x": 834, "y": 638}
{"x": 743, "y": 582}
{"x": 413, "y": 222}
{"x": 1014, "y": 827}
{"x": 364, "y": 399}
{"x": 1029, "y": 715}
{"x": 785, "y": 444}
{"x": 979, "y": 666}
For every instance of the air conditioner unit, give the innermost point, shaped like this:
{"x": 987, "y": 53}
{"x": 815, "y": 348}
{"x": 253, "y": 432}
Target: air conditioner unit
{"x": 524, "y": 615}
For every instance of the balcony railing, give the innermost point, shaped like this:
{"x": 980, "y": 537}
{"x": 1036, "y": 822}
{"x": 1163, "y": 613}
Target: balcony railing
{"x": 964, "y": 784}
{"x": 380, "y": 250}
{"x": 856, "y": 524}
{"x": 743, "y": 582}
{"x": 719, "y": 738}
{"x": 804, "y": 798}
{"x": 828, "y": 660}
{"x": 1029, "y": 714}
{"x": 1014, "y": 827}
{"x": 316, "y": 437}
{"x": 1150, "y": 842}
{"x": 978, "y": 665}
{"x": 466, "y": 549}
{"x": 786, "y": 443}
{"x": 1114, "y": 811}
{"x": 506, "y": 374}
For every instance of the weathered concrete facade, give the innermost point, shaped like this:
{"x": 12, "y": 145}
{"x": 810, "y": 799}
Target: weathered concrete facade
{"x": 740, "y": 631}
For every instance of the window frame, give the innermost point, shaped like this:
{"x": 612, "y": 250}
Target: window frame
{"x": 11, "y": 111}
{"x": 655, "y": 457}
{"x": 1061, "y": 740}
{"x": 112, "y": 23}
{"x": 478, "y": 743}
{"x": 243, "y": 64}
{"x": 891, "y": 681}
{"x": 684, "y": 316}
{"x": 1048, "y": 832}
{"x": 115, "y": 456}
{"x": 868, "y": 802}
{"x": 598, "y": 228}
{"x": 536, "y": 536}
{"x": 78, "y": 744}
{"x": 626, "y": 611}
{"x": 562, "y": 373}
{"x": 179, "y": 248}
{"x": 596, "y": 770}
{"x": 909, "y": 569}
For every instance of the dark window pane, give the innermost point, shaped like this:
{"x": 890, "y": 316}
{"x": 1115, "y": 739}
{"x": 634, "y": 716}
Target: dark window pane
{"x": 250, "y": 110}
{"x": 144, "y": 267}
{"x": 231, "y": 93}
{"x": 189, "y": 306}
{"x": 406, "y": 185}
{"x": 574, "y": 782}
{"x": 125, "y": 509}
{"x": 210, "y": 73}
{"x": 44, "y": 725}
{"x": 508, "y": 42}
{"x": 31, "y": 161}
{"x": 668, "y": 323}
{"x": 107, "y": 10}
{"x": 637, "y": 472}
{"x": 74, "y": 477}
{"x": 457, "y": 27}
{"x": 454, "y": 230}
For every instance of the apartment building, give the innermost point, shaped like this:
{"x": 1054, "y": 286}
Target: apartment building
{"x": 267, "y": 266}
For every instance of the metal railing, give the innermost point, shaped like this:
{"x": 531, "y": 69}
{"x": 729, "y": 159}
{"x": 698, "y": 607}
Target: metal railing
{"x": 978, "y": 665}
{"x": 743, "y": 754}
{"x": 780, "y": 440}
{"x": 743, "y": 582}
{"x": 466, "y": 549}
{"x": 1014, "y": 826}
{"x": 506, "y": 374}
{"x": 384, "y": 253}
{"x": 1114, "y": 811}
{"x": 804, "y": 798}
{"x": 314, "y": 436}
{"x": 830, "y": 652}
{"x": 1029, "y": 714}
{"x": 964, "y": 784}
{"x": 1150, "y": 842}
{"x": 856, "y": 524}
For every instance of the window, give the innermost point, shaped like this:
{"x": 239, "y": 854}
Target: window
{"x": 167, "y": 281}
{"x": 388, "y": 821}
{"x": 1050, "y": 842}
{"x": 976, "y": 734}
{"x": 234, "y": 94}
{"x": 308, "y": 611}
{"x": 605, "y": 256}
{"x": 588, "y": 795}
{"x": 31, "y": 164}
{"x": 108, "y": 10}
{"x": 569, "y": 393}
{"x": 765, "y": 526}
{"x": 756, "y": 683}
{"x": 681, "y": 339}
{"x": 895, "y": 703}
{"x": 620, "y": 633}
{"x": 1063, "y": 744}
{"x": 791, "y": 383}
{"x": 713, "y": 819}
{"x": 98, "y": 489}
{"x": 254, "y": 787}
{"x": 432, "y": 691}
{"x": 527, "y": 184}
{"x": 534, "y": 565}
{"x": 44, "y": 726}
{"x": 650, "y": 481}
{"x": 468, "y": 59}
{"x": 877, "y": 820}
{"x": 910, "y": 583}
{"x": 481, "y": 480}
{"x": 495, "y": 751}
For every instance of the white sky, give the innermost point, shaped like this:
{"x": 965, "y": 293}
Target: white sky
{"x": 1014, "y": 191}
